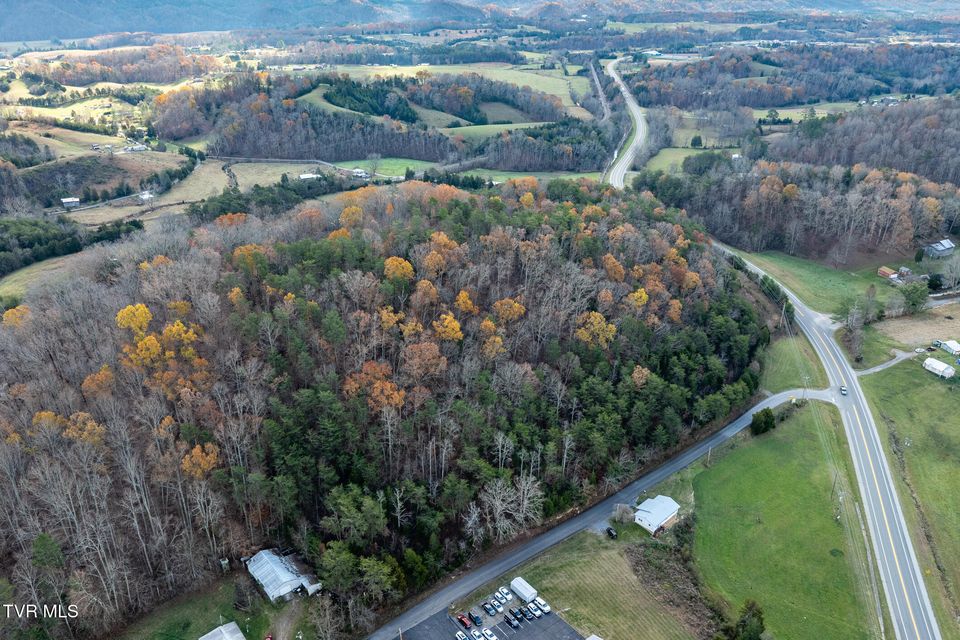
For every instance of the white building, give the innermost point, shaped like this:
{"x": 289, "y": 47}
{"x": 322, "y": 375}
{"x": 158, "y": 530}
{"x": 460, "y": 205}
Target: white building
{"x": 229, "y": 631}
{"x": 938, "y": 368}
{"x": 309, "y": 176}
{"x": 951, "y": 346}
{"x": 279, "y": 576}
{"x": 523, "y": 589}
{"x": 657, "y": 513}
{"x": 360, "y": 173}
{"x": 70, "y": 203}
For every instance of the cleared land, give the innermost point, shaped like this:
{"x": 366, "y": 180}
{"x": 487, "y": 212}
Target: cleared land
{"x": 589, "y": 582}
{"x": 268, "y": 173}
{"x": 64, "y": 143}
{"x": 502, "y": 176}
{"x": 500, "y": 112}
{"x": 771, "y": 527}
{"x": 387, "y": 166}
{"x": 790, "y": 362}
{"x": 51, "y": 269}
{"x": 920, "y": 330}
{"x": 482, "y": 131}
{"x": 917, "y": 417}
{"x": 671, "y": 159}
{"x": 434, "y": 118}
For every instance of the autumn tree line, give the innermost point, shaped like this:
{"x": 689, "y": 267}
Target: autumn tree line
{"x": 157, "y": 63}
{"x": 389, "y": 384}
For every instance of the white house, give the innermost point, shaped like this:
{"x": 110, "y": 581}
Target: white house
{"x": 70, "y": 203}
{"x": 360, "y": 173}
{"x": 938, "y": 368}
{"x": 951, "y": 346}
{"x": 657, "y": 513}
{"x": 279, "y": 576}
{"x": 229, "y": 631}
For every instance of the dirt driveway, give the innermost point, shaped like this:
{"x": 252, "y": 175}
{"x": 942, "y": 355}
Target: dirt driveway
{"x": 941, "y": 323}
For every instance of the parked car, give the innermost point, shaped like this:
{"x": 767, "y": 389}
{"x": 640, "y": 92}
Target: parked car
{"x": 499, "y": 597}
{"x": 516, "y": 614}
{"x": 535, "y": 610}
{"x": 496, "y": 605}
{"x": 461, "y": 635}
{"x": 462, "y": 619}
{"x": 543, "y": 605}
{"x": 510, "y": 620}
{"x": 505, "y": 593}
{"x": 526, "y": 613}
{"x": 489, "y": 635}
{"x": 477, "y": 635}
{"x": 612, "y": 533}
{"x": 489, "y": 609}
{"x": 477, "y": 620}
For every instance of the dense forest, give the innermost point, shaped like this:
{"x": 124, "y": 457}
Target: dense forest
{"x": 808, "y": 209}
{"x": 20, "y": 150}
{"x": 158, "y": 63}
{"x": 462, "y": 95}
{"x": 387, "y": 384}
{"x": 379, "y": 98}
{"x": 919, "y": 136}
{"x": 798, "y": 75}
{"x": 567, "y": 145}
{"x": 333, "y": 51}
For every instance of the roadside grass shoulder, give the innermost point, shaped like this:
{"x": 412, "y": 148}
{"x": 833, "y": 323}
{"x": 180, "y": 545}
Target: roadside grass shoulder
{"x": 789, "y": 363}
{"x": 917, "y": 420}
{"x": 877, "y": 348}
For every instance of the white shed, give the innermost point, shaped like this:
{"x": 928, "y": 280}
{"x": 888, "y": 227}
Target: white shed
{"x": 229, "y": 631}
{"x": 657, "y": 513}
{"x": 278, "y": 576}
{"x": 938, "y": 368}
{"x": 70, "y": 203}
{"x": 951, "y": 346}
{"x": 523, "y": 589}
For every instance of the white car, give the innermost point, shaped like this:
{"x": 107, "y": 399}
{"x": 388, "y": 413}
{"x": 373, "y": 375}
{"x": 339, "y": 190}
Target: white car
{"x": 489, "y": 634}
{"x": 535, "y": 610}
{"x": 476, "y": 635}
{"x": 496, "y": 605}
{"x": 543, "y": 605}
{"x": 505, "y": 593}
{"x": 461, "y": 635}
{"x": 499, "y": 597}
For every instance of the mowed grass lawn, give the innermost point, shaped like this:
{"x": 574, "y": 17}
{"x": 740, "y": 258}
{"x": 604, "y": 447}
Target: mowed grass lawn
{"x": 49, "y": 270}
{"x": 388, "y": 166}
{"x": 483, "y": 131}
{"x": 543, "y": 176}
{"x": 766, "y": 531}
{"x": 588, "y": 581}
{"x": 920, "y": 411}
{"x": 670, "y": 159}
{"x": 821, "y": 287}
{"x": 787, "y": 361}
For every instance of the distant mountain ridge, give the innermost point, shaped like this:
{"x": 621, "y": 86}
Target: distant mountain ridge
{"x": 24, "y": 20}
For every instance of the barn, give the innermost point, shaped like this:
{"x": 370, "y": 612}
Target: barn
{"x": 656, "y": 514}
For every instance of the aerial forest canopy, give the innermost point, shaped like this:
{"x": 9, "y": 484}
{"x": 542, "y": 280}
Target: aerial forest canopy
{"x": 388, "y": 384}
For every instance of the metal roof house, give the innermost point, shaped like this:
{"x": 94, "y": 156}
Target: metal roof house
{"x": 279, "y": 576}
{"x": 70, "y": 203}
{"x": 940, "y": 249}
{"x": 229, "y": 631}
{"x": 951, "y": 346}
{"x": 938, "y": 368}
{"x": 657, "y": 513}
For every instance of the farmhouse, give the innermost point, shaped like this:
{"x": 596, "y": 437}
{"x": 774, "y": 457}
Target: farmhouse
{"x": 70, "y": 203}
{"x": 279, "y": 576}
{"x": 951, "y": 346}
{"x": 360, "y": 173}
{"x": 655, "y": 514}
{"x": 940, "y": 249}
{"x": 229, "y": 631}
{"x": 940, "y": 369}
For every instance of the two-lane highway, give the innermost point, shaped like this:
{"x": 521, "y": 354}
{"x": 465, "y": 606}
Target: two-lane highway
{"x": 624, "y": 160}
{"x": 905, "y": 591}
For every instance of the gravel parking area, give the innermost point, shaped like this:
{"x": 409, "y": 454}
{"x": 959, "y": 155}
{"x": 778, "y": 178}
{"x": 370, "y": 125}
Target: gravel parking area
{"x": 440, "y": 626}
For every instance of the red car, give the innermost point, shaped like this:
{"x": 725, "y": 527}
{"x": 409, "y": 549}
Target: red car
{"x": 462, "y": 619}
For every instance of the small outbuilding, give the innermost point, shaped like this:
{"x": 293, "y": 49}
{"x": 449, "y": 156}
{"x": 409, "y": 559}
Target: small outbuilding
{"x": 229, "y": 631}
{"x": 940, "y": 249}
{"x": 280, "y": 576}
{"x": 951, "y": 346}
{"x": 309, "y": 176}
{"x": 523, "y": 589}
{"x": 657, "y": 514}
{"x": 938, "y": 368}
{"x": 70, "y": 203}
{"x": 886, "y": 272}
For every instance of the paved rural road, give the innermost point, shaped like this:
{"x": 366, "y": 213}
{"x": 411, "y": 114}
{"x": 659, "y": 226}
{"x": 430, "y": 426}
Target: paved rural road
{"x": 507, "y": 560}
{"x": 618, "y": 171}
{"x": 906, "y": 594}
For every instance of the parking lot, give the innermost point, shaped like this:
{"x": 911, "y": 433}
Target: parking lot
{"x": 442, "y": 626}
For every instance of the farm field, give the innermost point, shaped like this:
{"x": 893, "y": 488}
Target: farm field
{"x": 64, "y": 143}
{"x": 388, "y": 166}
{"x": 788, "y": 362}
{"x": 917, "y": 425}
{"x": 478, "y": 132}
{"x": 207, "y": 180}
{"x": 589, "y": 581}
{"x": 500, "y": 112}
{"x": 268, "y": 173}
{"x": 820, "y": 287}
{"x": 17, "y": 282}
{"x": 670, "y": 159}
{"x": 922, "y": 329}
{"x": 767, "y": 529}
{"x": 502, "y": 176}
{"x": 434, "y": 118}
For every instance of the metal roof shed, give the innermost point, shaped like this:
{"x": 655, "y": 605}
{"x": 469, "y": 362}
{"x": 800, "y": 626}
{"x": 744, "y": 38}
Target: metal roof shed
{"x": 656, "y": 513}
{"x": 229, "y": 631}
{"x": 278, "y": 576}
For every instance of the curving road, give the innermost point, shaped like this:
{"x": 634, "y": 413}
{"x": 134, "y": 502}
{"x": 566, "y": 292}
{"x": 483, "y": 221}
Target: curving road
{"x": 624, "y": 159}
{"x": 514, "y": 556}
{"x": 906, "y": 594}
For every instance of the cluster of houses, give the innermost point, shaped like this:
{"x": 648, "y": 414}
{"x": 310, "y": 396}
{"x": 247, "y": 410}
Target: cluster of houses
{"x": 938, "y": 367}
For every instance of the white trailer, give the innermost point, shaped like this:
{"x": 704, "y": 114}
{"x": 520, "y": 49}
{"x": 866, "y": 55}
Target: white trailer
{"x": 523, "y": 589}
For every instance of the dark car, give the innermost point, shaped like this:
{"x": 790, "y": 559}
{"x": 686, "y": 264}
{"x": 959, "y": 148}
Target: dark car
{"x": 612, "y": 533}
{"x": 527, "y": 613}
{"x": 516, "y": 614}
{"x": 476, "y": 617}
{"x": 489, "y": 609}
{"x": 462, "y": 619}
{"x": 510, "y": 620}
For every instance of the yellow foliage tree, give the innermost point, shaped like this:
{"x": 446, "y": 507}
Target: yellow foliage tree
{"x": 435, "y": 264}
{"x": 135, "y": 317}
{"x": 464, "y": 304}
{"x": 674, "y": 309}
{"x": 508, "y": 309}
{"x": 351, "y": 217}
{"x": 235, "y": 296}
{"x": 200, "y": 460}
{"x": 614, "y": 269}
{"x": 594, "y": 330}
{"x": 338, "y": 233}
{"x": 390, "y": 318}
{"x": 98, "y": 383}
{"x": 487, "y": 327}
{"x": 640, "y": 376}
{"x": 83, "y": 428}
{"x": 527, "y": 200}
{"x": 447, "y": 328}
{"x": 16, "y": 317}
{"x": 638, "y": 299}
{"x": 395, "y": 268}
{"x": 180, "y": 308}
{"x": 492, "y": 347}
